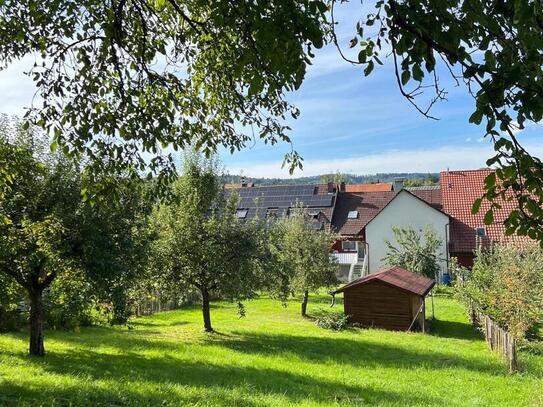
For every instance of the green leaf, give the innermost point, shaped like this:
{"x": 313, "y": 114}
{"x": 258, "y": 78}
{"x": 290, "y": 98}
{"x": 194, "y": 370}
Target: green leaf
{"x": 418, "y": 75}
{"x": 489, "y": 217}
{"x": 476, "y": 117}
{"x": 369, "y": 68}
{"x": 490, "y": 180}
{"x": 476, "y": 206}
{"x": 406, "y": 75}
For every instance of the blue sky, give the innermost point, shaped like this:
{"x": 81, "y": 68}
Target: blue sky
{"x": 348, "y": 123}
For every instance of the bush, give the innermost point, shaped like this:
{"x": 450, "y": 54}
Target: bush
{"x": 506, "y": 283}
{"x": 69, "y": 303}
{"x": 332, "y": 320}
{"x": 11, "y": 297}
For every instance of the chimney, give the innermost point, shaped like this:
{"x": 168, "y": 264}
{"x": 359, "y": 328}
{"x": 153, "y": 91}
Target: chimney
{"x": 342, "y": 187}
{"x": 243, "y": 182}
{"x": 398, "y": 184}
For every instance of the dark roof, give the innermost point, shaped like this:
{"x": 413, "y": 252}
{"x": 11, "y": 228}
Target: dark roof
{"x": 431, "y": 194}
{"x": 397, "y": 277}
{"x": 368, "y": 205}
{"x": 318, "y": 198}
{"x": 459, "y": 189}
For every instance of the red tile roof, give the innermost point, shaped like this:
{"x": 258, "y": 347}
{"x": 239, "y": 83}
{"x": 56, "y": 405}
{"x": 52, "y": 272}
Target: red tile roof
{"x": 398, "y": 277}
{"x": 377, "y": 187}
{"x": 459, "y": 189}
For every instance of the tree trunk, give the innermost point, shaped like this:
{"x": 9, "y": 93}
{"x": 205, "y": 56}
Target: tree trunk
{"x": 36, "y": 323}
{"x": 304, "y": 303}
{"x": 205, "y": 311}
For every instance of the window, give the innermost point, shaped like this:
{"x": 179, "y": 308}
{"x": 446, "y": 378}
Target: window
{"x": 352, "y": 215}
{"x": 272, "y": 213}
{"x": 242, "y": 213}
{"x": 314, "y": 214}
{"x": 480, "y": 232}
{"x": 348, "y": 245}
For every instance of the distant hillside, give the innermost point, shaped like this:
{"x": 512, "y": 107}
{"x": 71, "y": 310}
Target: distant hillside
{"x": 413, "y": 179}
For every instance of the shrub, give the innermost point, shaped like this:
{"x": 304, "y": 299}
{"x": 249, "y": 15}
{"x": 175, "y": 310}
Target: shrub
{"x": 332, "y": 320}
{"x": 11, "y": 296}
{"x": 414, "y": 251}
{"x": 69, "y": 303}
{"x": 506, "y": 283}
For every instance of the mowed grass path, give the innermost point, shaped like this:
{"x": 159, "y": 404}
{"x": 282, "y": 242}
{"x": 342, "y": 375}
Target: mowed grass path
{"x": 273, "y": 357}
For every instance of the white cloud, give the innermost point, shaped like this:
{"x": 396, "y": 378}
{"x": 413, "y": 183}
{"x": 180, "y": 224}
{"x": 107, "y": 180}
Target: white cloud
{"x": 16, "y": 88}
{"x": 468, "y": 139}
{"x": 421, "y": 160}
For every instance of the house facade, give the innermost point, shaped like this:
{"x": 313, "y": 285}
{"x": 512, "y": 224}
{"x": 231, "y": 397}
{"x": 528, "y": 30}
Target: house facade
{"x": 364, "y": 221}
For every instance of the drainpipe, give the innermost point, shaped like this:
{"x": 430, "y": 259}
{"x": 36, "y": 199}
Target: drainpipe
{"x": 447, "y": 260}
{"x": 367, "y": 256}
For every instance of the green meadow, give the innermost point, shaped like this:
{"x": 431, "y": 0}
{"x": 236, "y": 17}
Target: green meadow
{"x": 272, "y": 357}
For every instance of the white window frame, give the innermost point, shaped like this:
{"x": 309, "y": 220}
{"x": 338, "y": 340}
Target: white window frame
{"x": 352, "y": 215}
{"x": 348, "y": 249}
{"x": 242, "y": 213}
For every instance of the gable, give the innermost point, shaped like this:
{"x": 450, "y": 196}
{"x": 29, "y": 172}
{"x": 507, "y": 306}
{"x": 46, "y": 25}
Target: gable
{"x": 409, "y": 206}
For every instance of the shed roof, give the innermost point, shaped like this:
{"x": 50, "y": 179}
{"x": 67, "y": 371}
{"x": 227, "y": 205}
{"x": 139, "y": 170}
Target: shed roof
{"x": 398, "y": 277}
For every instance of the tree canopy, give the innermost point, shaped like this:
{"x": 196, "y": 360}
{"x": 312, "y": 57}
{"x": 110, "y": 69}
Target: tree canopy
{"x": 201, "y": 244}
{"x": 413, "y": 251}
{"x": 67, "y": 255}
{"x": 37, "y": 204}
{"x": 494, "y": 49}
{"x": 303, "y": 255}
{"x": 123, "y": 81}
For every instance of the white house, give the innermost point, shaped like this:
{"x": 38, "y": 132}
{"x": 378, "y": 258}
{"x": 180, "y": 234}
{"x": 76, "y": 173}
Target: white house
{"x": 406, "y": 209}
{"x": 365, "y": 220}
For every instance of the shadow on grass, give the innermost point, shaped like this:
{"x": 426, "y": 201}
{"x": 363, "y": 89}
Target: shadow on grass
{"x": 354, "y": 353}
{"x": 213, "y": 380}
{"x": 143, "y": 322}
{"x": 453, "y": 329}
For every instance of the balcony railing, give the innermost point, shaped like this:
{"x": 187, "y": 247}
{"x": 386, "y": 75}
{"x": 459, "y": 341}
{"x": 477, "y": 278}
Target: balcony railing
{"x": 346, "y": 258}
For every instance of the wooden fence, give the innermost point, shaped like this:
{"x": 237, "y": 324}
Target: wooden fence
{"x": 497, "y": 338}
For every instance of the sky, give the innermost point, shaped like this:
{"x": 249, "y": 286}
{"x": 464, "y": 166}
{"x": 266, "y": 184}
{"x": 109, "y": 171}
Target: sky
{"x": 348, "y": 123}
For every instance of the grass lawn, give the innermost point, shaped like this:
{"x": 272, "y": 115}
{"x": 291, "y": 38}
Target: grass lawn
{"x": 273, "y": 357}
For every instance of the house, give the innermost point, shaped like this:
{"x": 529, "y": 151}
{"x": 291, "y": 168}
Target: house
{"x": 364, "y": 221}
{"x": 459, "y": 190}
{"x": 392, "y": 298}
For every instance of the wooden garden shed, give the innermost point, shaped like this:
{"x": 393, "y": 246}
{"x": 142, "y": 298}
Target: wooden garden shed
{"x": 392, "y": 298}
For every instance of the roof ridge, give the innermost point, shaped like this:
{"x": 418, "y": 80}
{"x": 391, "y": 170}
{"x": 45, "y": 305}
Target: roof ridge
{"x": 460, "y": 171}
